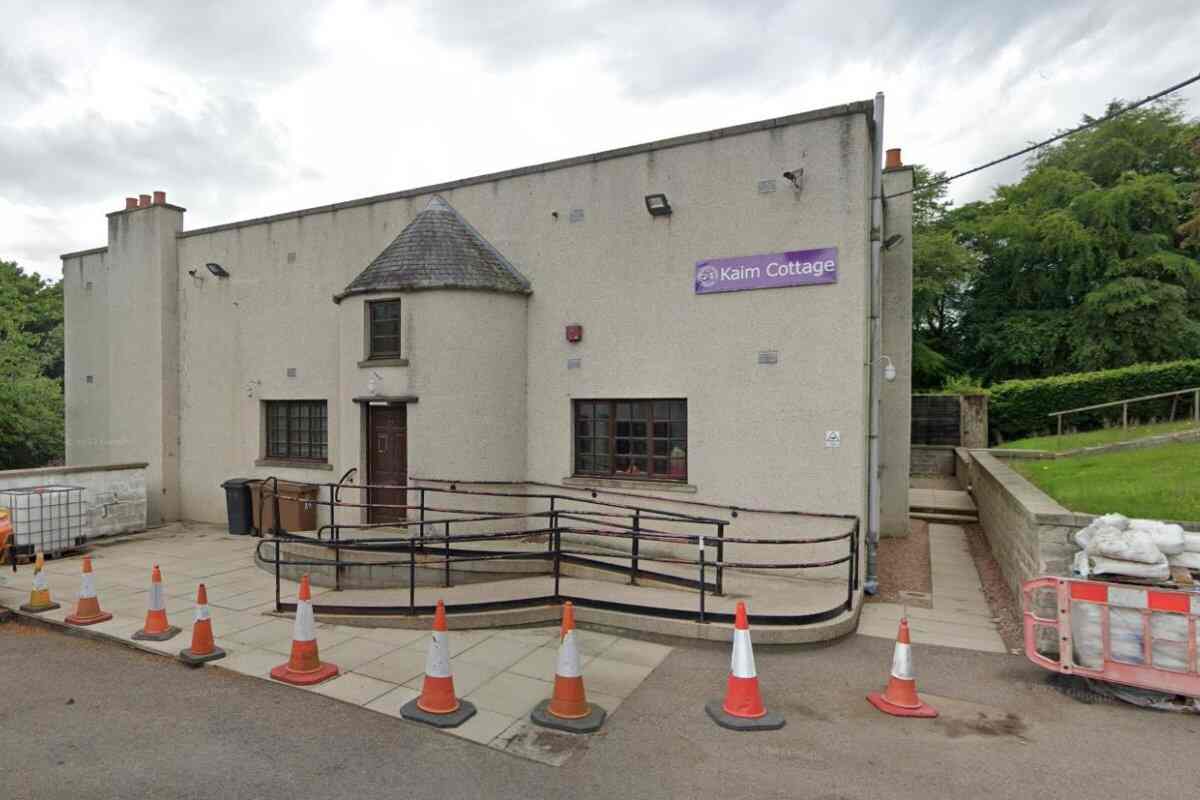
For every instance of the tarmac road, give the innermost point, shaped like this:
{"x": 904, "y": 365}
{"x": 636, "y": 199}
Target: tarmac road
{"x": 84, "y": 719}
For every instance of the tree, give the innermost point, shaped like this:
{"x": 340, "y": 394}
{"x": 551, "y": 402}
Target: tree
{"x": 31, "y": 368}
{"x": 942, "y": 268}
{"x": 1089, "y": 262}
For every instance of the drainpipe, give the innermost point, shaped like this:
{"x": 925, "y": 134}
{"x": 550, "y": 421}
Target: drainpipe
{"x": 871, "y": 585}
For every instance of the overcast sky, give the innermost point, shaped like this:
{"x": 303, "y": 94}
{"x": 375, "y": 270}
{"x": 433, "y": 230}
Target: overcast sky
{"x": 244, "y": 109}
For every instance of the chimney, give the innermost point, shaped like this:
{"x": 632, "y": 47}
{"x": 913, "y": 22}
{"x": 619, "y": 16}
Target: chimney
{"x": 130, "y": 203}
{"x": 893, "y": 159}
{"x": 160, "y": 198}
{"x": 143, "y": 201}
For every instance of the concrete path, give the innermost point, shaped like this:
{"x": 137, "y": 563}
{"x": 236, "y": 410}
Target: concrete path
{"x": 504, "y": 672}
{"x": 86, "y": 719}
{"x": 960, "y": 616}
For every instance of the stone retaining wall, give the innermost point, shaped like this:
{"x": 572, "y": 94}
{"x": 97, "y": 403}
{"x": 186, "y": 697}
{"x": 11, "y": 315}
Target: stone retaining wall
{"x": 114, "y": 494}
{"x": 932, "y": 459}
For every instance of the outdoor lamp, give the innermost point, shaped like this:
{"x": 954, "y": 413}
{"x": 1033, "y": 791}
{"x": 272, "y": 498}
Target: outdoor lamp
{"x": 217, "y": 270}
{"x": 889, "y": 369}
{"x": 657, "y": 205}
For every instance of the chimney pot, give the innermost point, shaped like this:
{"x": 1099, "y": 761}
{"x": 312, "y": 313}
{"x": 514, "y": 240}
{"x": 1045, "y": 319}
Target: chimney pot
{"x": 143, "y": 201}
{"x": 160, "y": 198}
{"x": 893, "y": 158}
{"x": 130, "y": 202}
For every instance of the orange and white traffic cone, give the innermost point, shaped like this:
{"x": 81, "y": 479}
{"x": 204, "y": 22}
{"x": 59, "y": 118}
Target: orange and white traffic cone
{"x": 87, "y": 608}
{"x": 438, "y": 704}
{"x": 39, "y": 595}
{"x": 304, "y": 667}
{"x": 743, "y": 709}
{"x": 156, "y": 628}
{"x": 203, "y": 647}
{"x": 900, "y": 698}
{"x": 568, "y": 709}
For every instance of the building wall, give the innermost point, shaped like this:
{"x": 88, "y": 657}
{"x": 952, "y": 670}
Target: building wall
{"x": 595, "y": 257}
{"x": 124, "y": 333}
{"x": 114, "y": 495}
{"x": 896, "y": 416}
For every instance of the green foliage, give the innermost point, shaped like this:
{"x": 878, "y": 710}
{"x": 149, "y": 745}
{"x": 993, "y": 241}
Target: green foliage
{"x": 1019, "y": 408}
{"x": 963, "y": 384}
{"x": 31, "y": 368}
{"x": 1088, "y": 263}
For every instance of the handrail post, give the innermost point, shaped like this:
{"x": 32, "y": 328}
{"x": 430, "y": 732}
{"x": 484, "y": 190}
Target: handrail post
{"x": 1196, "y": 406}
{"x": 422, "y": 515}
{"x": 1125, "y": 417}
{"x": 556, "y": 541}
{"x": 446, "y": 550}
{"x": 635, "y": 548}
{"x": 553, "y": 527}
{"x": 720, "y": 559}
{"x": 701, "y": 561}
{"x": 337, "y": 551}
{"x": 852, "y": 578}
{"x": 412, "y": 578}
{"x": 278, "y": 605}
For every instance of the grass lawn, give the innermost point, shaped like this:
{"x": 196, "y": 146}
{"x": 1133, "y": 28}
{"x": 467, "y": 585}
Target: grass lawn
{"x": 1071, "y": 441}
{"x": 1155, "y": 482}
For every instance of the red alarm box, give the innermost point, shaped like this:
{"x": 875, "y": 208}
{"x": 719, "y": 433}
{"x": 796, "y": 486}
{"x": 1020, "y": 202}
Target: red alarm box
{"x": 574, "y": 333}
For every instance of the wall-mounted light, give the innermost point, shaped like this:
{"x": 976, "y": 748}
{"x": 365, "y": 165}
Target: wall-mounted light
{"x": 889, "y": 369}
{"x": 795, "y": 177}
{"x": 657, "y": 205}
{"x": 217, "y": 270}
{"x": 892, "y": 241}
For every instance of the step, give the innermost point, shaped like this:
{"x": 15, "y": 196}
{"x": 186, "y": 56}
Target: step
{"x": 953, "y": 519}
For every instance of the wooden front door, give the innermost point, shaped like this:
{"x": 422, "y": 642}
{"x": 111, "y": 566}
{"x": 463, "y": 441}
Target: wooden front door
{"x": 387, "y": 460}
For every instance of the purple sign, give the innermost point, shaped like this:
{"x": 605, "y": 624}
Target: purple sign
{"x": 767, "y": 271}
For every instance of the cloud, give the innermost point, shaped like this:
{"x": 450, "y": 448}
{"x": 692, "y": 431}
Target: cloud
{"x": 258, "y": 108}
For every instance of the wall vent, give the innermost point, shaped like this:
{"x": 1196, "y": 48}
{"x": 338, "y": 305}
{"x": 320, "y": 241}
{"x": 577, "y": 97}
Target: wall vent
{"x": 576, "y": 215}
{"x": 291, "y": 372}
{"x": 91, "y": 379}
{"x": 574, "y": 363}
{"x": 766, "y": 186}
{"x": 291, "y": 258}
{"x": 768, "y": 356}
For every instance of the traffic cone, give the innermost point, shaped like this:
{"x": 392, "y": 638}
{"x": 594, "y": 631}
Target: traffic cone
{"x": 437, "y": 704}
{"x": 900, "y": 697}
{"x": 743, "y": 708}
{"x": 39, "y": 596}
{"x": 568, "y": 709}
{"x": 156, "y": 629}
{"x": 203, "y": 649}
{"x": 87, "y": 609}
{"x": 305, "y": 667}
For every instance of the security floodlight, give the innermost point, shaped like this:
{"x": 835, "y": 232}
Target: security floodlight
{"x": 217, "y": 270}
{"x": 657, "y": 205}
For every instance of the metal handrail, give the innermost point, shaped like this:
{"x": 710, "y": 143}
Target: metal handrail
{"x": 1194, "y": 391}
{"x": 444, "y": 549}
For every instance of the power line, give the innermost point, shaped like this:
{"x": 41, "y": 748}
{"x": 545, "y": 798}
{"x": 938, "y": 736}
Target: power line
{"x": 1090, "y": 124}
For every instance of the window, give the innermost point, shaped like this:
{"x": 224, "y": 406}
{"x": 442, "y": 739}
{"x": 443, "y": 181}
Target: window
{"x": 383, "y": 329}
{"x": 631, "y": 438}
{"x": 297, "y": 430}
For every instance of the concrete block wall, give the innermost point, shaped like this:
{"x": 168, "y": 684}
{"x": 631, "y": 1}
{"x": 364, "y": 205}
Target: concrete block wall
{"x": 114, "y": 494}
{"x": 932, "y": 459}
{"x": 1029, "y": 533}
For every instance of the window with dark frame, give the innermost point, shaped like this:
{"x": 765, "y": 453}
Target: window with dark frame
{"x": 297, "y": 430}
{"x": 383, "y": 329}
{"x": 644, "y": 439}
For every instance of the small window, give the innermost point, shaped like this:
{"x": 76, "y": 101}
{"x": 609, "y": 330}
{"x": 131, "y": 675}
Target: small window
{"x": 297, "y": 430}
{"x": 383, "y": 329}
{"x": 644, "y": 439}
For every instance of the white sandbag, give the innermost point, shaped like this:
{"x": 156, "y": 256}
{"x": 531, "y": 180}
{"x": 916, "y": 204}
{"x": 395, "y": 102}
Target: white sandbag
{"x": 1185, "y": 559}
{"x": 1130, "y": 545}
{"x": 1167, "y": 538}
{"x": 1125, "y": 639}
{"x": 1081, "y": 567}
{"x": 1086, "y": 635}
{"x": 1118, "y": 521}
{"x": 1099, "y": 565}
{"x": 1191, "y": 542}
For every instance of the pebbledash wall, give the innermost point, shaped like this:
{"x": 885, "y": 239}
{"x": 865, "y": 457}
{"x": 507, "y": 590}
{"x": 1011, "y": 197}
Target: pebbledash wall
{"x": 114, "y": 494}
{"x": 168, "y": 364}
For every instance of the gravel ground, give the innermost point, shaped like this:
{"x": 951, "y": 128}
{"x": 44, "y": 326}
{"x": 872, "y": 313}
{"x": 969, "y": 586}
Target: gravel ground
{"x": 903, "y": 566}
{"x": 1004, "y": 606}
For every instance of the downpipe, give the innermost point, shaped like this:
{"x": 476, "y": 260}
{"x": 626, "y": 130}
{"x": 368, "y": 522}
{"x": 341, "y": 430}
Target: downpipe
{"x": 871, "y": 584}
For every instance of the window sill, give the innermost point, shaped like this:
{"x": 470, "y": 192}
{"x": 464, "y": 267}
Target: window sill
{"x": 383, "y": 362}
{"x": 293, "y": 464}
{"x": 628, "y": 484}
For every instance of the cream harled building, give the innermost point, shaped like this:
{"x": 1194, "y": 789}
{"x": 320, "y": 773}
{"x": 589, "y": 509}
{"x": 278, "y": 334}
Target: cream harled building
{"x": 689, "y": 320}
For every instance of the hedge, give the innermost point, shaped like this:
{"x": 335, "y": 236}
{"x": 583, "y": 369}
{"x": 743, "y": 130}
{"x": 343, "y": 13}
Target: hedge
{"x": 1019, "y": 408}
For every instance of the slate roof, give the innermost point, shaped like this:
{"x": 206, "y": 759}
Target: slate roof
{"x": 438, "y": 250}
